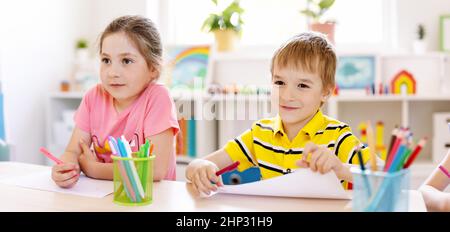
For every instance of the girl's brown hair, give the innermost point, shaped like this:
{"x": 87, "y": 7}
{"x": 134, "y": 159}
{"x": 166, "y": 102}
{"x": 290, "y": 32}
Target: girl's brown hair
{"x": 142, "y": 31}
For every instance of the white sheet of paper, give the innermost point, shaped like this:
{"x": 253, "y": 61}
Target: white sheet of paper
{"x": 85, "y": 186}
{"x": 300, "y": 183}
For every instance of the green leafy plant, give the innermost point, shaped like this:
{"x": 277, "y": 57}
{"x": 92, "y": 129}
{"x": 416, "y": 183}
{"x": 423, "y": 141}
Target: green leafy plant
{"x": 420, "y": 32}
{"x": 229, "y": 18}
{"x": 81, "y": 44}
{"x": 315, "y": 9}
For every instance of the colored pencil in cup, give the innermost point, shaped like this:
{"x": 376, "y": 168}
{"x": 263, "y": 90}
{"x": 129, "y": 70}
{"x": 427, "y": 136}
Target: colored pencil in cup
{"x": 391, "y": 143}
{"x": 416, "y": 152}
{"x": 393, "y": 151}
{"x": 363, "y": 168}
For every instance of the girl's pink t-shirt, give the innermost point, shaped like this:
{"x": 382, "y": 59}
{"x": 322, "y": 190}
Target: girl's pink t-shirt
{"x": 150, "y": 114}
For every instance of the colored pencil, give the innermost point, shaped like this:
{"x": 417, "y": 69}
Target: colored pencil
{"x": 416, "y": 152}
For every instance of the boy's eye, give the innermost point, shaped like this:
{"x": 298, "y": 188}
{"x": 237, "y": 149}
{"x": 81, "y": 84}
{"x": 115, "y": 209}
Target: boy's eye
{"x": 303, "y": 86}
{"x": 127, "y": 61}
{"x": 106, "y": 61}
{"x": 278, "y": 83}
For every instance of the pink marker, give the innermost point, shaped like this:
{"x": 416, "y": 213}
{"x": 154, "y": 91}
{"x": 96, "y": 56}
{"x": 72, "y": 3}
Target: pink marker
{"x": 50, "y": 156}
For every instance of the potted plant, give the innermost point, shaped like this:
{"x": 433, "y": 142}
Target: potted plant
{"x": 314, "y": 11}
{"x": 420, "y": 44}
{"x": 226, "y": 25}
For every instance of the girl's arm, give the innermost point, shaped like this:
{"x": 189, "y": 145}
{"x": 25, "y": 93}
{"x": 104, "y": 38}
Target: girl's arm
{"x": 164, "y": 148}
{"x": 432, "y": 189}
{"x": 73, "y": 149}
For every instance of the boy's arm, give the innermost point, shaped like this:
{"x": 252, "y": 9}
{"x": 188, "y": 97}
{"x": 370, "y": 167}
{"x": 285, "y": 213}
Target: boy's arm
{"x": 220, "y": 158}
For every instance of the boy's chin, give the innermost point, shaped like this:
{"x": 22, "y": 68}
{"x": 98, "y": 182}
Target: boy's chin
{"x": 291, "y": 119}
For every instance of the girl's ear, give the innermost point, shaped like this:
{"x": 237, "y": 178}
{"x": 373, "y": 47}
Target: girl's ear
{"x": 154, "y": 73}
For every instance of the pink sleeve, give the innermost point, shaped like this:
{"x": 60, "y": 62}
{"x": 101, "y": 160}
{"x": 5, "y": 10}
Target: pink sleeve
{"x": 161, "y": 115}
{"x": 82, "y": 119}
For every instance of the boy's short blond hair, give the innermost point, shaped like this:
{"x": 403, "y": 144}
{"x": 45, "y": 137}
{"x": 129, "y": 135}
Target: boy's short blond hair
{"x": 310, "y": 51}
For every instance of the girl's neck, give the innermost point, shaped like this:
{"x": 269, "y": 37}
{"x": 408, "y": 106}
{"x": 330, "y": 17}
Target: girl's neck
{"x": 121, "y": 105}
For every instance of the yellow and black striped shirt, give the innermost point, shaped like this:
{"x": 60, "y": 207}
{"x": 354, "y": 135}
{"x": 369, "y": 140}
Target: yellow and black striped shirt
{"x": 266, "y": 145}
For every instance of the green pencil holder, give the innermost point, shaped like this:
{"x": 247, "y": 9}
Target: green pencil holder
{"x": 133, "y": 180}
{"x": 380, "y": 191}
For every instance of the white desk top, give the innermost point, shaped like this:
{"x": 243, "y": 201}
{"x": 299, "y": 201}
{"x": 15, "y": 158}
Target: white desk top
{"x": 167, "y": 196}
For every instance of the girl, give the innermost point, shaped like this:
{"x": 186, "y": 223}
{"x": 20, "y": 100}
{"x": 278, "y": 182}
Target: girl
{"x": 127, "y": 102}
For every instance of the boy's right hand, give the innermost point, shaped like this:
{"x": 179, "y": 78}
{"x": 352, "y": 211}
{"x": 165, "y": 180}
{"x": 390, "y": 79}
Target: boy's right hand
{"x": 202, "y": 174}
{"x": 66, "y": 175}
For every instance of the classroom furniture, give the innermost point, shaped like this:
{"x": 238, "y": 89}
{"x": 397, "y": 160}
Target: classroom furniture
{"x": 167, "y": 196}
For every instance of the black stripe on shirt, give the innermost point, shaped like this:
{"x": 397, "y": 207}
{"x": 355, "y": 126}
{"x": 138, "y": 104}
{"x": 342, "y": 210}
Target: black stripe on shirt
{"x": 243, "y": 150}
{"x": 289, "y": 152}
{"x": 340, "y": 142}
{"x": 270, "y": 168}
{"x": 336, "y": 127}
{"x": 264, "y": 127}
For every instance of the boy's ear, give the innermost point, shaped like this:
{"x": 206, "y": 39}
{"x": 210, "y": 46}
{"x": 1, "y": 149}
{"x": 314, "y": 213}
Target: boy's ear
{"x": 327, "y": 93}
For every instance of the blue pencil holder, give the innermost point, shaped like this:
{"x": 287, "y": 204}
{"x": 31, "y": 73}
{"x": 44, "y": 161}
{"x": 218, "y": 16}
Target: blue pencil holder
{"x": 380, "y": 191}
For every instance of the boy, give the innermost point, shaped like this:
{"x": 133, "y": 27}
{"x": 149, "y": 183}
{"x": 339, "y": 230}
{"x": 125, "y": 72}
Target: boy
{"x": 303, "y": 71}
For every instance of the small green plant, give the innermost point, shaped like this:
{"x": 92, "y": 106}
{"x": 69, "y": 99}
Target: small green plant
{"x": 229, "y": 18}
{"x": 420, "y": 32}
{"x": 315, "y": 9}
{"x": 82, "y": 43}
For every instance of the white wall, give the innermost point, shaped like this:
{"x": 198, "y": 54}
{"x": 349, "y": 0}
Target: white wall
{"x": 104, "y": 11}
{"x": 412, "y": 12}
{"x": 36, "y": 51}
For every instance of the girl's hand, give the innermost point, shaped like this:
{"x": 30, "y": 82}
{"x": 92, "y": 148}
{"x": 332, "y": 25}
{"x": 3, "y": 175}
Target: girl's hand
{"x": 202, "y": 174}
{"x": 87, "y": 158}
{"x": 66, "y": 174}
{"x": 322, "y": 160}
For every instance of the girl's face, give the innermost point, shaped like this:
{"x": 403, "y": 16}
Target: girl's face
{"x": 124, "y": 71}
{"x": 296, "y": 94}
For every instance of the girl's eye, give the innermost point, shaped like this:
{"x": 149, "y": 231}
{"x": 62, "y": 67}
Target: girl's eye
{"x": 127, "y": 61}
{"x": 279, "y": 83}
{"x": 106, "y": 61}
{"x": 303, "y": 86}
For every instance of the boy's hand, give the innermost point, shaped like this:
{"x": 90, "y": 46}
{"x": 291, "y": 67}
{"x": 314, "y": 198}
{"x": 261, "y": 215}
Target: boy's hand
{"x": 322, "y": 160}
{"x": 66, "y": 174}
{"x": 202, "y": 174}
{"x": 86, "y": 158}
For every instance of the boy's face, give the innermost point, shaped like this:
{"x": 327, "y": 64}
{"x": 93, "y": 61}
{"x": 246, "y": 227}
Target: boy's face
{"x": 123, "y": 71}
{"x": 297, "y": 94}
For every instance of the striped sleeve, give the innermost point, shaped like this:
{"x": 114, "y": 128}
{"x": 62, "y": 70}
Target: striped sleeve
{"x": 241, "y": 149}
{"x": 345, "y": 148}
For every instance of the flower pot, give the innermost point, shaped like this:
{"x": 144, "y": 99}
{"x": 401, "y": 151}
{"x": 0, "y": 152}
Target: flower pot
{"x": 420, "y": 46}
{"x": 82, "y": 55}
{"x": 324, "y": 28}
{"x": 226, "y": 39}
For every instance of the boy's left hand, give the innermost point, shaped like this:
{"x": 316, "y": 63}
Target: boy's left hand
{"x": 322, "y": 160}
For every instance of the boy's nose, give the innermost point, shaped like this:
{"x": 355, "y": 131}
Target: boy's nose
{"x": 287, "y": 94}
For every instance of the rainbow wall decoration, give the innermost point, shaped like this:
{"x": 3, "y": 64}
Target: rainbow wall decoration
{"x": 403, "y": 80}
{"x": 187, "y": 66}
